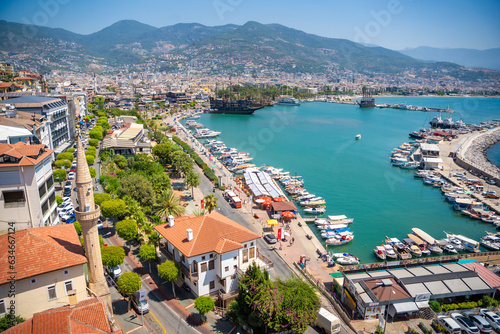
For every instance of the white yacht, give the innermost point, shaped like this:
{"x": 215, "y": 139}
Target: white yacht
{"x": 287, "y": 100}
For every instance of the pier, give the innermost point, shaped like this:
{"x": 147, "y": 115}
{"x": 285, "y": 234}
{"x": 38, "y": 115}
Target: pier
{"x": 404, "y": 106}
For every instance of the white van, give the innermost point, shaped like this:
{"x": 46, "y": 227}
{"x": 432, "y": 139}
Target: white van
{"x": 450, "y": 325}
{"x": 327, "y": 322}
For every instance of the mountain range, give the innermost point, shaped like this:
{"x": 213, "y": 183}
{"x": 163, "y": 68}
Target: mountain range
{"x": 252, "y": 47}
{"x": 472, "y": 58}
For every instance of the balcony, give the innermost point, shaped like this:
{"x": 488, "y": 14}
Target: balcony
{"x": 193, "y": 277}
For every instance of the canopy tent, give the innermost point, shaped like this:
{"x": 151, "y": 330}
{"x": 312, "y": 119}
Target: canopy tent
{"x": 261, "y": 184}
{"x": 400, "y": 308}
{"x": 272, "y": 222}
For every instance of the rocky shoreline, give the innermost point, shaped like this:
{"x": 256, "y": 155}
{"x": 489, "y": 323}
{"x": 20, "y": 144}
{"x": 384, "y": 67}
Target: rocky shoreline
{"x": 475, "y": 153}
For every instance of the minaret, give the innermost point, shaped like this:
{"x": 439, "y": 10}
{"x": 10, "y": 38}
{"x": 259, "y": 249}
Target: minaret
{"x": 87, "y": 214}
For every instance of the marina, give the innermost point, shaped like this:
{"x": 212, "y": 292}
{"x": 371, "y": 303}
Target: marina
{"x": 384, "y": 191}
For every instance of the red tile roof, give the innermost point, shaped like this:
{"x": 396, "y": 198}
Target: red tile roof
{"x": 211, "y": 233}
{"x": 41, "y": 250}
{"x": 29, "y": 154}
{"x": 487, "y": 275}
{"x": 88, "y": 316}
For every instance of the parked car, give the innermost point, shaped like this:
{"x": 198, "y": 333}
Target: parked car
{"x": 186, "y": 287}
{"x": 270, "y": 238}
{"x": 66, "y": 200}
{"x": 114, "y": 272}
{"x": 449, "y": 324}
{"x": 71, "y": 175}
{"x": 67, "y": 206}
{"x": 480, "y": 322}
{"x": 67, "y": 192}
{"x": 66, "y": 217}
{"x": 73, "y": 169}
{"x": 70, "y": 220}
{"x": 66, "y": 211}
{"x": 100, "y": 226}
{"x": 465, "y": 323}
{"x": 492, "y": 318}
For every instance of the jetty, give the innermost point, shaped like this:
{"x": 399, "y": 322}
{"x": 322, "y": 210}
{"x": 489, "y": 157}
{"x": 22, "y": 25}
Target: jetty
{"x": 404, "y": 106}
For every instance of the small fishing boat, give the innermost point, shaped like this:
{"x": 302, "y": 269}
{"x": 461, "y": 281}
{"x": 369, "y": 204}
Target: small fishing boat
{"x": 358, "y": 136}
{"x": 337, "y": 255}
{"x": 380, "y": 252}
{"x": 332, "y": 227}
{"x": 319, "y": 210}
{"x": 348, "y": 260}
{"x": 410, "y": 165}
{"x": 339, "y": 240}
{"x": 449, "y": 248}
{"x": 399, "y": 247}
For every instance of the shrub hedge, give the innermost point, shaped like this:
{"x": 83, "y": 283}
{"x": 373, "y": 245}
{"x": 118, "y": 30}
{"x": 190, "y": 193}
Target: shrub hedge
{"x": 206, "y": 170}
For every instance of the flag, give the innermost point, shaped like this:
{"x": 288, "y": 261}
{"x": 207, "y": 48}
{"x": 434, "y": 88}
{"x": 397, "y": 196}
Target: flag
{"x": 201, "y": 204}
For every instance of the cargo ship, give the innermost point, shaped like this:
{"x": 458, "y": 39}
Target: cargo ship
{"x": 235, "y": 107}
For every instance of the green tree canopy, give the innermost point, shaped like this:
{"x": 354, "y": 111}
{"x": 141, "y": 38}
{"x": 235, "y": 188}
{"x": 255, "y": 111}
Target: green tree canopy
{"x": 169, "y": 271}
{"x": 120, "y": 161}
{"x": 7, "y": 322}
{"x": 127, "y": 229}
{"x": 181, "y": 161}
{"x": 70, "y": 150}
{"x": 65, "y": 162}
{"x": 59, "y": 200}
{"x": 112, "y": 256}
{"x": 192, "y": 180}
{"x": 138, "y": 187}
{"x": 128, "y": 283}
{"x": 90, "y": 159}
{"x": 113, "y": 208}
{"x": 147, "y": 253}
{"x": 162, "y": 151}
{"x": 210, "y": 203}
{"x": 95, "y": 134}
{"x": 92, "y": 171}
{"x": 91, "y": 153}
{"x": 160, "y": 182}
{"x": 91, "y": 148}
{"x": 168, "y": 204}
{"x": 99, "y": 198}
{"x": 60, "y": 174}
{"x": 204, "y": 304}
{"x": 65, "y": 156}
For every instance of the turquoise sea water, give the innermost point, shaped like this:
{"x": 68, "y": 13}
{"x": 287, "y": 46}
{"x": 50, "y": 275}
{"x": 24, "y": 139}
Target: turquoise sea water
{"x": 317, "y": 140}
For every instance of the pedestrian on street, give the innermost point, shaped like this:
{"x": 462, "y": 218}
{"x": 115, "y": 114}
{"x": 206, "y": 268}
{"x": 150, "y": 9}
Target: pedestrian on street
{"x": 293, "y": 241}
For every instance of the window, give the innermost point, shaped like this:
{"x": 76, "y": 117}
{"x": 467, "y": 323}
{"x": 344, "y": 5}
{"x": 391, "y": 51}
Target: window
{"x": 245, "y": 255}
{"x": 52, "y": 198}
{"x": 66, "y": 272}
{"x": 45, "y": 207}
{"x": 50, "y": 182}
{"x": 212, "y": 285}
{"x": 42, "y": 190}
{"x": 13, "y": 197}
{"x": 211, "y": 265}
{"x": 51, "y": 292}
{"x": 251, "y": 253}
{"x": 203, "y": 258}
{"x": 226, "y": 269}
{"x": 235, "y": 267}
{"x": 211, "y": 256}
{"x": 245, "y": 246}
{"x": 251, "y": 244}
{"x": 203, "y": 267}
{"x": 3, "y": 308}
{"x": 33, "y": 281}
{"x": 235, "y": 258}
{"x": 183, "y": 258}
{"x": 223, "y": 282}
{"x": 68, "y": 286}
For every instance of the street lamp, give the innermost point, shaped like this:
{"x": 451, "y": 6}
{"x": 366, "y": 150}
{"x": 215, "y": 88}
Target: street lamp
{"x": 387, "y": 314}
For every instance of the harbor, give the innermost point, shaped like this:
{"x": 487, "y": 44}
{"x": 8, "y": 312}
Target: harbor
{"x": 382, "y": 187}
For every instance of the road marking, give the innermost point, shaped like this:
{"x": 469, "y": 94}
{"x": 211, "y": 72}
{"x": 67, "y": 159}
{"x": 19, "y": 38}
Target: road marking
{"x": 164, "y": 330}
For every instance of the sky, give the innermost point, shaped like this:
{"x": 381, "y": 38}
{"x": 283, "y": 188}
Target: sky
{"x": 394, "y": 24}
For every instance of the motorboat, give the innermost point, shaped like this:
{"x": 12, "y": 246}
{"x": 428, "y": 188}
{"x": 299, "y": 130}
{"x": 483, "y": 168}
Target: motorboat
{"x": 332, "y": 227}
{"x": 338, "y": 218}
{"x": 390, "y": 253}
{"x": 338, "y": 255}
{"x": 399, "y": 247}
{"x": 335, "y": 233}
{"x": 491, "y": 242}
{"x": 449, "y": 248}
{"x": 312, "y": 203}
{"x": 380, "y": 252}
{"x": 358, "y": 136}
{"x": 348, "y": 260}
{"x": 410, "y": 165}
{"x": 420, "y": 243}
{"x": 316, "y": 210}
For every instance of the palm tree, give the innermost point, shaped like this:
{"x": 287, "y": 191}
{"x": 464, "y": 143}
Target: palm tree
{"x": 199, "y": 212}
{"x": 169, "y": 204}
{"x": 192, "y": 180}
{"x": 210, "y": 202}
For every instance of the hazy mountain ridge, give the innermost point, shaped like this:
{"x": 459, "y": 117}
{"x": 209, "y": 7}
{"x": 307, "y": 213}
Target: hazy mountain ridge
{"x": 270, "y": 46}
{"x": 472, "y": 58}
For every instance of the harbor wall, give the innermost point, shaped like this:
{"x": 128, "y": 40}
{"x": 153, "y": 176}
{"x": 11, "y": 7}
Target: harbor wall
{"x": 472, "y": 154}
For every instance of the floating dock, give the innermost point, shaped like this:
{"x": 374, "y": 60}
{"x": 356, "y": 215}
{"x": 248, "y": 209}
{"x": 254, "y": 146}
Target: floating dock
{"x": 404, "y": 106}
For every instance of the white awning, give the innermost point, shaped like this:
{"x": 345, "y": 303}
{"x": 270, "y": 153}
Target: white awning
{"x": 400, "y": 308}
{"x": 423, "y": 304}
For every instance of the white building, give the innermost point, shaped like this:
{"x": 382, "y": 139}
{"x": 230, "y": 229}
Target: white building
{"x": 212, "y": 251}
{"x": 27, "y": 191}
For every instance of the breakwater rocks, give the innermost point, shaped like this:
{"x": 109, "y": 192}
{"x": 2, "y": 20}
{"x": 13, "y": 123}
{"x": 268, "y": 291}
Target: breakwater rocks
{"x": 473, "y": 152}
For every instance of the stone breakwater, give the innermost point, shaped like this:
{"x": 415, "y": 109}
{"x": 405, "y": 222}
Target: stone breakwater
{"x": 473, "y": 153}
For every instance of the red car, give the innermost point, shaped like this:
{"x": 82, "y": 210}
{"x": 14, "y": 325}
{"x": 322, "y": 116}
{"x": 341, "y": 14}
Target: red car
{"x": 72, "y": 170}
